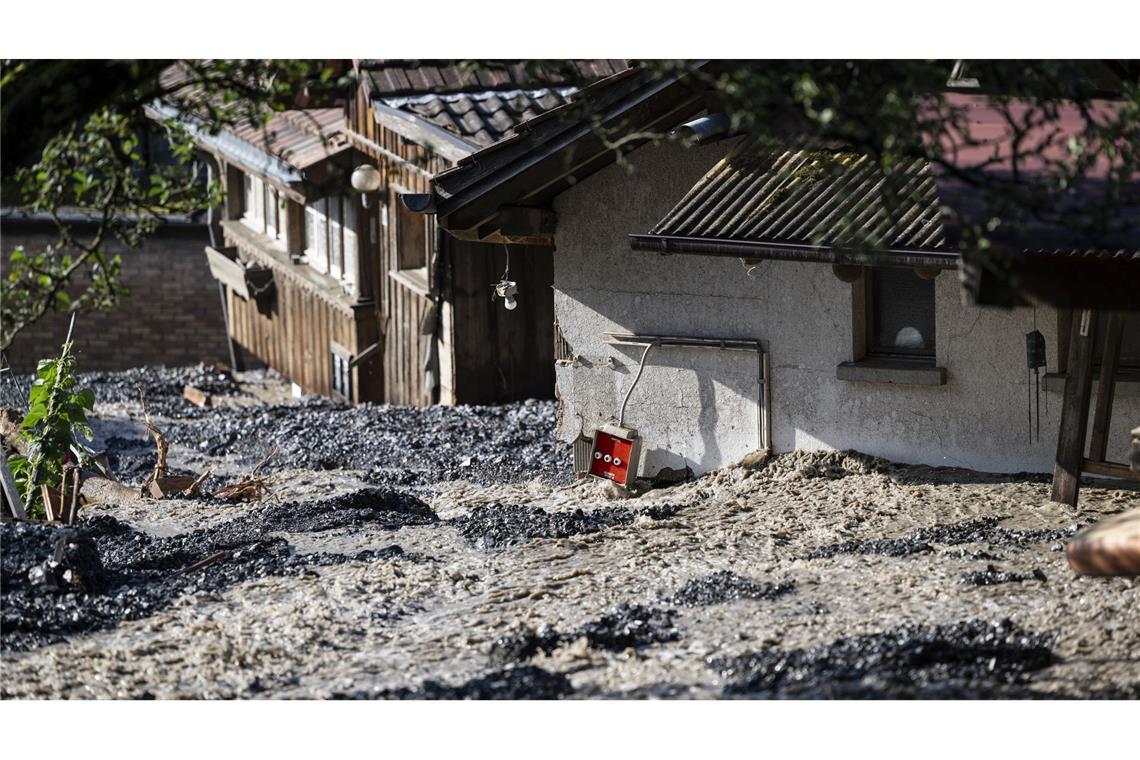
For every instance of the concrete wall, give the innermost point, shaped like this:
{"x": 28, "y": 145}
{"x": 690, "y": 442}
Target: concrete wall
{"x": 699, "y": 407}
{"x": 173, "y": 315}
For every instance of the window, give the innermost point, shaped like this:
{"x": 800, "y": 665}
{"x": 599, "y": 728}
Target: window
{"x": 341, "y": 360}
{"x": 900, "y": 314}
{"x": 331, "y": 244}
{"x": 262, "y": 211}
{"x": 411, "y": 239}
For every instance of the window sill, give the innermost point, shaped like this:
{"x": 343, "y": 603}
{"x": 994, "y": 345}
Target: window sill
{"x": 899, "y": 371}
{"x": 412, "y": 279}
{"x": 1127, "y": 385}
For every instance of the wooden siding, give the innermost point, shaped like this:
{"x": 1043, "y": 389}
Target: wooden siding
{"x": 292, "y": 330}
{"x": 486, "y": 354}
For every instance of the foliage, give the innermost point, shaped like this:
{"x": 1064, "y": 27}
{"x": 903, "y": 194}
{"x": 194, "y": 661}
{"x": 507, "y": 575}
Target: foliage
{"x": 56, "y": 412}
{"x": 95, "y": 175}
{"x": 896, "y": 111}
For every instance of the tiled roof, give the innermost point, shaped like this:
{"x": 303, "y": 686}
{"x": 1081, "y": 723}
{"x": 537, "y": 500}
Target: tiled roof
{"x": 482, "y": 118}
{"x": 407, "y": 77}
{"x": 817, "y": 197}
{"x": 300, "y": 138}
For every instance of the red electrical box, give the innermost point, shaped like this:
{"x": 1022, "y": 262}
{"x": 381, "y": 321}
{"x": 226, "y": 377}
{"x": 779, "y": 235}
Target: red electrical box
{"x": 615, "y": 453}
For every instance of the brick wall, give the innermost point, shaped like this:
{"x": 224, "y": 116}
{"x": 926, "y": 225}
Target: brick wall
{"x": 172, "y": 316}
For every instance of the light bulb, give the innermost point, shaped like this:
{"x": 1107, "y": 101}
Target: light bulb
{"x": 510, "y": 303}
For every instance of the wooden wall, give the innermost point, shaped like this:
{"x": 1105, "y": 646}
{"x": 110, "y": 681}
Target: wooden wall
{"x": 502, "y": 355}
{"x": 292, "y": 329}
{"x": 486, "y": 353}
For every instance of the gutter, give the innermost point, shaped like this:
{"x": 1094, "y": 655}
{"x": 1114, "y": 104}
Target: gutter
{"x": 777, "y": 251}
{"x": 233, "y": 150}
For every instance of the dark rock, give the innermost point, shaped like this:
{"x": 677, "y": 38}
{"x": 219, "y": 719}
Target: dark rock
{"x": 991, "y": 576}
{"x": 496, "y": 526}
{"x": 724, "y": 586}
{"x": 984, "y": 530}
{"x": 523, "y": 682}
{"x": 972, "y": 659}
{"x": 630, "y": 626}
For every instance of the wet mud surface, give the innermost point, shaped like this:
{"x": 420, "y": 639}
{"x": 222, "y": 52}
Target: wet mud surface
{"x": 447, "y": 554}
{"x": 58, "y": 582}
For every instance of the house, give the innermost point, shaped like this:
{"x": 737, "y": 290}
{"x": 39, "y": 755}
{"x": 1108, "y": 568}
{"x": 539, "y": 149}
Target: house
{"x": 732, "y": 294}
{"x": 334, "y": 283}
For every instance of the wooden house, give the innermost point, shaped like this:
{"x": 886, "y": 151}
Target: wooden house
{"x": 349, "y": 293}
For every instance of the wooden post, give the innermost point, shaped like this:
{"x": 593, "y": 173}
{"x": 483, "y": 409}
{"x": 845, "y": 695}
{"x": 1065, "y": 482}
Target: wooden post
{"x": 1074, "y": 408}
{"x": 1106, "y": 387}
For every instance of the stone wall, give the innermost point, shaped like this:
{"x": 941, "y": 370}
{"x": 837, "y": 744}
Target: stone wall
{"x": 172, "y": 316}
{"x": 699, "y": 408}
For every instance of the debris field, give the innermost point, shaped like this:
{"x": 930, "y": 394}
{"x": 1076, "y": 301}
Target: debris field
{"x": 449, "y": 553}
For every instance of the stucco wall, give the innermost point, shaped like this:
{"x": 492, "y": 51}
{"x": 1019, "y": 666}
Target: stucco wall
{"x": 699, "y": 407}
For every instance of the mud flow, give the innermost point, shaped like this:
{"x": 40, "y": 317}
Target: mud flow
{"x": 450, "y": 553}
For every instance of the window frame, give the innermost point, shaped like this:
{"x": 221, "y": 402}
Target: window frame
{"x": 870, "y": 350}
{"x": 413, "y": 277}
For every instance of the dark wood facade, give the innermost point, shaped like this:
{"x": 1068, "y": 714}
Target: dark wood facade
{"x": 417, "y": 326}
{"x": 486, "y": 354}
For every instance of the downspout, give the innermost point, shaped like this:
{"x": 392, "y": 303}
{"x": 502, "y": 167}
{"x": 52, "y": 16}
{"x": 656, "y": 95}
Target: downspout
{"x": 432, "y": 322}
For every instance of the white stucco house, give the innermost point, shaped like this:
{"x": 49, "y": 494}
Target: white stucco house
{"x": 738, "y": 257}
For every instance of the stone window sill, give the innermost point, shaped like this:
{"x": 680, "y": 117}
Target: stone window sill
{"x": 890, "y": 370}
{"x": 1127, "y": 385}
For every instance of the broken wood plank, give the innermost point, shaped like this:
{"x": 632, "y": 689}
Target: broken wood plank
{"x": 11, "y": 494}
{"x": 167, "y": 485}
{"x": 197, "y": 396}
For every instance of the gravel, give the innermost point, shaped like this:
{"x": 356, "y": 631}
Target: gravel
{"x": 496, "y": 526}
{"x": 967, "y": 660}
{"x": 981, "y": 531}
{"x": 724, "y": 586}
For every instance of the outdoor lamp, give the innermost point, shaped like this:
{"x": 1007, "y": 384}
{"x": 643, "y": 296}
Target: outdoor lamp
{"x": 366, "y": 179}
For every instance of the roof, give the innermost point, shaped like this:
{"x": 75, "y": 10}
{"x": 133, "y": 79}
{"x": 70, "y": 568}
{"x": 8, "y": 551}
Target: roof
{"x": 299, "y": 138}
{"x": 816, "y": 197}
{"x": 290, "y": 149}
{"x": 386, "y": 78}
{"x": 548, "y": 153}
{"x": 483, "y": 117}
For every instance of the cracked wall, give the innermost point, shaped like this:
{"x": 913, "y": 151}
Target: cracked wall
{"x": 699, "y": 408}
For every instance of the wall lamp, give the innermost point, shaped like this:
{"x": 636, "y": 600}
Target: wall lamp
{"x": 366, "y": 179}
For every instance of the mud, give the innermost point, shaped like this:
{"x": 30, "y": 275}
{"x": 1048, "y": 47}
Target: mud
{"x": 725, "y": 586}
{"x": 982, "y": 531}
{"x": 496, "y": 526}
{"x": 61, "y": 582}
{"x": 967, "y": 660}
{"x": 411, "y": 572}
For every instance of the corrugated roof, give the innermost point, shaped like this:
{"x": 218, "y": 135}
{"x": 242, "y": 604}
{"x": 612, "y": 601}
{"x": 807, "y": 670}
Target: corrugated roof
{"x": 817, "y": 197}
{"x": 405, "y": 77}
{"x": 482, "y": 118}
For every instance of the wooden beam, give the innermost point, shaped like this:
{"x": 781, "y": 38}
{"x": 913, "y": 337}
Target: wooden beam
{"x": 1110, "y": 469}
{"x": 1105, "y": 389}
{"x": 1074, "y": 409}
{"x": 295, "y": 227}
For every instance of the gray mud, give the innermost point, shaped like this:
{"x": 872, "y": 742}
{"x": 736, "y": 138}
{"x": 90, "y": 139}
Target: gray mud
{"x": 467, "y": 565}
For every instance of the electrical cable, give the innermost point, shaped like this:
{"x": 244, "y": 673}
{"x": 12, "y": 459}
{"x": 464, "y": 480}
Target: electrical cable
{"x": 629, "y": 392}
